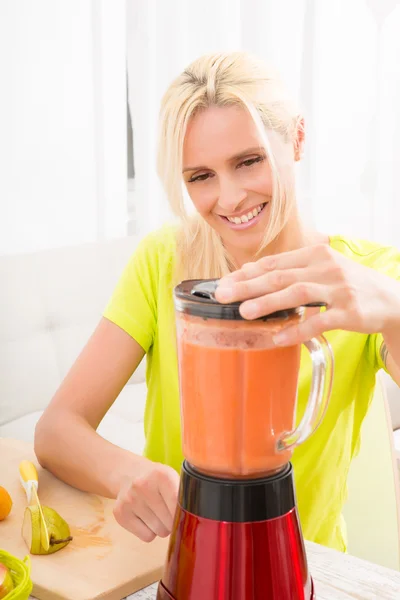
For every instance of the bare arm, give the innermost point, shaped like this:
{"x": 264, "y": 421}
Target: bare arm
{"x": 66, "y": 442}
{"x": 390, "y": 353}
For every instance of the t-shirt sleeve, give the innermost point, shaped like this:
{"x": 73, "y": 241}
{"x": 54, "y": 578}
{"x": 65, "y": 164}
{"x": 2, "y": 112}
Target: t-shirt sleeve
{"x": 390, "y": 265}
{"x": 133, "y": 304}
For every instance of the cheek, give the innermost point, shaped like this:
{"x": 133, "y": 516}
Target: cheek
{"x": 203, "y": 197}
{"x": 260, "y": 182}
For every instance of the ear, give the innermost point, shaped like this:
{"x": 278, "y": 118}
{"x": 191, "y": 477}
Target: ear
{"x": 299, "y": 139}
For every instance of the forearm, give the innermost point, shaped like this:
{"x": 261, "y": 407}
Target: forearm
{"x": 70, "y": 449}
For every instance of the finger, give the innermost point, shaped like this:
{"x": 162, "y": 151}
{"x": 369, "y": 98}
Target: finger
{"x": 293, "y": 259}
{"x": 247, "y": 271}
{"x": 140, "y": 529}
{"x": 131, "y": 522}
{"x": 310, "y": 328}
{"x": 153, "y": 517}
{"x": 298, "y": 294}
{"x": 265, "y": 284}
{"x": 169, "y": 489}
{"x": 148, "y": 494}
{"x": 239, "y": 275}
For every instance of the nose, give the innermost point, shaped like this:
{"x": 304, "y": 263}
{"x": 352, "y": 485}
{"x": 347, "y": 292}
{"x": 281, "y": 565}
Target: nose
{"x": 231, "y": 195}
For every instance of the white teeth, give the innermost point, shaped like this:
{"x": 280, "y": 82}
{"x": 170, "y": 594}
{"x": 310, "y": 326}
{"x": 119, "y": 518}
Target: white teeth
{"x": 246, "y": 218}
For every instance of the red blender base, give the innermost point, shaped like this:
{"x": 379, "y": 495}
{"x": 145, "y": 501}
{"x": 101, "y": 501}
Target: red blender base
{"x": 236, "y": 561}
{"x": 164, "y": 595}
{"x": 223, "y": 559}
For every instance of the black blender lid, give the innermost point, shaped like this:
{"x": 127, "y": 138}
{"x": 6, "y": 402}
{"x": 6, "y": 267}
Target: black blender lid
{"x": 197, "y": 297}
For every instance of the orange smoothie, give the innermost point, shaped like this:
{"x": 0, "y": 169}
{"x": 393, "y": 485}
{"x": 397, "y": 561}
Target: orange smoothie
{"x": 238, "y": 395}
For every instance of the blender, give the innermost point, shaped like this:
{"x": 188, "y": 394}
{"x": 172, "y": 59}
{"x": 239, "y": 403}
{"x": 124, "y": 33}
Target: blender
{"x": 236, "y": 532}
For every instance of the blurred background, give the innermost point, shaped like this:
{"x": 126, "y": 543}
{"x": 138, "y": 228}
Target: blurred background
{"x": 80, "y": 87}
{"x": 81, "y": 82}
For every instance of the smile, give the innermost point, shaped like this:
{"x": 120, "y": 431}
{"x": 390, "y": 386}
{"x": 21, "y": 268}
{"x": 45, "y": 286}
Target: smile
{"x": 247, "y": 219}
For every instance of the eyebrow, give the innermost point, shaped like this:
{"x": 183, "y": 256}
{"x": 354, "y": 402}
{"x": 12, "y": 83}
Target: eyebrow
{"x": 232, "y": 158}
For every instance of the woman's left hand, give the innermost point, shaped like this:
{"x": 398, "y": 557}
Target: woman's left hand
{"x": 357, "y": 298}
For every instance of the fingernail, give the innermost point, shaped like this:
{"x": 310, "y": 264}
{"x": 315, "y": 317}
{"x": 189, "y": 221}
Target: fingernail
{"x": 224, "y": 283}
{"x": 280, "y": 339}
{"x": 225, "y": 293}
{"x": 249, "y": 310}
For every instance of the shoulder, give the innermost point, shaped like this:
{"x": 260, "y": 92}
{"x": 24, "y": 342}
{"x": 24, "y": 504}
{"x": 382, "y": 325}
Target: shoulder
{"x": 156, "y": 249}
{"x": 147, "y": 270}
{"x": 371, "y": 254}
{"x": 152, "y": 257}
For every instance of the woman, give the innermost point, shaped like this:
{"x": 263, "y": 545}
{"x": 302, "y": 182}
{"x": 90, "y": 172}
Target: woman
{"x": 230, "y": 135}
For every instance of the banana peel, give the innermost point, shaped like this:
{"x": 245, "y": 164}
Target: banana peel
{"x": 59, "y": 531}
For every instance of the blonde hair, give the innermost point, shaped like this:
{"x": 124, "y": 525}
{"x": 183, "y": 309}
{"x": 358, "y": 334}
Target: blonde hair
{"x": 224, "y": 79}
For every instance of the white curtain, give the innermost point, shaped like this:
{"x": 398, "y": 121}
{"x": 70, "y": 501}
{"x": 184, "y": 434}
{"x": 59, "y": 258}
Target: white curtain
{"x": 63, "y": 171}
{"x": 341, "y": 61}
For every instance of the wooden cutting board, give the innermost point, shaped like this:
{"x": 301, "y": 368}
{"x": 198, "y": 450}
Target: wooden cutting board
{"x": 103, "y": 560}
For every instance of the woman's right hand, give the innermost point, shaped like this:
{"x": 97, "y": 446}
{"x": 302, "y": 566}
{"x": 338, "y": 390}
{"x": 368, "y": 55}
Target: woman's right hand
{"x": 146, "y": 502}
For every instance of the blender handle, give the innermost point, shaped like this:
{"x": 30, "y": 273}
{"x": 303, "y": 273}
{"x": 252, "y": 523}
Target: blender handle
{"x": 322, "y": 377}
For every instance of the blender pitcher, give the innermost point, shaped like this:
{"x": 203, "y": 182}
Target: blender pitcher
{"x": 238, "y": 390}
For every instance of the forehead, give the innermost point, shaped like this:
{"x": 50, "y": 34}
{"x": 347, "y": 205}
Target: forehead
{"x": 217, "y": 133}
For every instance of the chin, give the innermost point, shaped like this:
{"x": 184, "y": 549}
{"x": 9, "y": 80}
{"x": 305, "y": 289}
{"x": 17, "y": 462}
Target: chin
{"x": 248, "y": 242}
{"x": 251, "y": 241}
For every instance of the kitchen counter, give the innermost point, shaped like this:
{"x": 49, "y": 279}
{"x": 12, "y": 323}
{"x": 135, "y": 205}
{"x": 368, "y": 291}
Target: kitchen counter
{"x": 336, "y": 576}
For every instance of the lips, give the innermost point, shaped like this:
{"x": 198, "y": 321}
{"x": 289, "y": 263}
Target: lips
{"x": 246, "y": 217}
{"x": 245, "y": 220}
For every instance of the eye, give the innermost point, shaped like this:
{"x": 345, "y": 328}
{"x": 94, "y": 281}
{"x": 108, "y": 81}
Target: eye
{"x": 251, "y": 161}
{"x": 202, "y": 177}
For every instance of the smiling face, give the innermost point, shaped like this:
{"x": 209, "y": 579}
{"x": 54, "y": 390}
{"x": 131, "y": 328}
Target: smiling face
{"x": 227, "y": 175}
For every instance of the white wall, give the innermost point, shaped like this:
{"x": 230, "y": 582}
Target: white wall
{"x": 339, "y": 59}
{"x": 62, "y": 122}
{"x": 355, "y": 117}
{"x": 63, "y": 172}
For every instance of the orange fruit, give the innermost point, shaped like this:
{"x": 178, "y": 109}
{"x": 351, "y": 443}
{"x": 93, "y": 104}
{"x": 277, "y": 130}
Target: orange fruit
{"x": 5, "y": 503}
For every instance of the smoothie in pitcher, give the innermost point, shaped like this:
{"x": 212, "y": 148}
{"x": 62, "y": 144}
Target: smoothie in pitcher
{"x": 238, "y": 396}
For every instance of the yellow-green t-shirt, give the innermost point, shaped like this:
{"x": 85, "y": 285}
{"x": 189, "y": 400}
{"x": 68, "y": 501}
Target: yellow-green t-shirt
{"x": 142, "y": 305}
